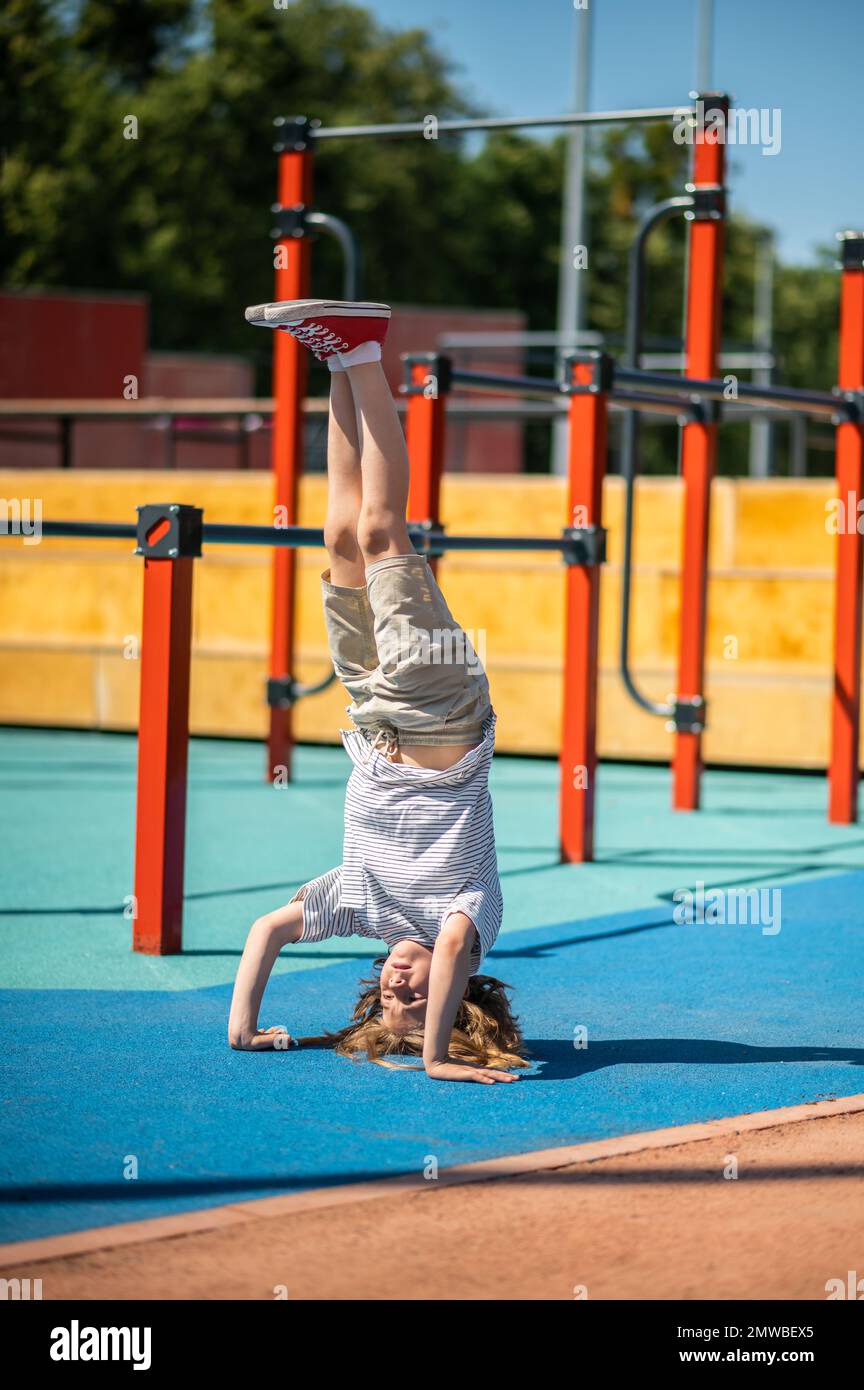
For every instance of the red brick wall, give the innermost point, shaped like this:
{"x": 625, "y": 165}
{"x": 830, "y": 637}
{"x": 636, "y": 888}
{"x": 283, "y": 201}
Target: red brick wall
{"x": 484, "y": 447}
{"x": 80, "y": 346}
{"x": 69, "y": 346}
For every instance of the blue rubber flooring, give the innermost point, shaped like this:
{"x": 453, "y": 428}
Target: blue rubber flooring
{"x": 117, "y": 1065}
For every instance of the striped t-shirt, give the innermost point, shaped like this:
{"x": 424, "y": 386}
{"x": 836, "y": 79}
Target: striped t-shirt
{"x": 419, "y": 846}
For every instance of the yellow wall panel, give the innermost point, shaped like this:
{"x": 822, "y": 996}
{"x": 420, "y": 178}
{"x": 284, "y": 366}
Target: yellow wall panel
{"x": 67, "y": 607}
{"x": 46, "y": 686}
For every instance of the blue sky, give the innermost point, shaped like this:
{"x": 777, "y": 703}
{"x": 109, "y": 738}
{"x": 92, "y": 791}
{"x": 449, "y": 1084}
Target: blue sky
{"x": 805, "y": 58}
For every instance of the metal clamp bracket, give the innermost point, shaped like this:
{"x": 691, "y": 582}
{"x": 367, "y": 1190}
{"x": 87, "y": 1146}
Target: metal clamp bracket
{"x": 281, "y": 692}
{"x": 584, "y": 545}
{"x": 290, "y": 221}
{"x": 169, "y": 531}
{"x": 294, "y": 133}
{"x": 440, "y": 371}
{"x": 709, "y": 203}
{"x": 851, "y": 250}
{"x": 602, "y": 377}
{"x": 702, "y": 410}
{"x": 689, "y": 714}
{"x": 852, "y": 403}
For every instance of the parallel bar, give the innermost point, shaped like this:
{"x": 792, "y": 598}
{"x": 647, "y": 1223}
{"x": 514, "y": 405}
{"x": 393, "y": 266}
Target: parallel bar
{"x": 297, "y": 537}
{"x": 643, "y": 384}
{"x": 163, "y": 740}
{"x": 394, "y": 130}
{"x": 586, "y": 466}
{"x": 492, "y": 381}
{"x": 439, "y": 540}
{"x": 844, "y": 770}
{"x": 300, "y": 537}
{"x": 805, "y": 402}
{"x": 698, "y": 451}
{"x": 93, "y": 530}
{"x": 654, "y": 402}
{"x": 282, "y": 537}
{"x": 664, "y": 392}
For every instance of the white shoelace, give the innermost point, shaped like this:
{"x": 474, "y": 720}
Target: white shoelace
{"x": 318, "y": 338}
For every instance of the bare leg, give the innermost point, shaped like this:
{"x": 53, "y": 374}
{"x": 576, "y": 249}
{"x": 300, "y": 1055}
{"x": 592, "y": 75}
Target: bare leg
{"x": 381, "y": 528}
{"x": 347, "y": 566}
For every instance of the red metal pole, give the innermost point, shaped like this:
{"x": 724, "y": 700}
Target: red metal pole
{"x": 699, "y": 439}
{"x": 844, "y": 771}
{"x": 425, "y": 429}
{"x": 293, "y": 274}
{"x": 163, "y": 731}
{"x": 586, "y": 466}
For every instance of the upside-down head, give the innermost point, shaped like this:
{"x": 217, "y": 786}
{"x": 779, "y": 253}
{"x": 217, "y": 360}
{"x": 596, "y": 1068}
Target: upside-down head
{"x": 389, "y": 1015}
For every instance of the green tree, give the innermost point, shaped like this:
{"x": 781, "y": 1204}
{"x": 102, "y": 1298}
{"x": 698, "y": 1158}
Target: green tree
{"x": 137, "y": 154}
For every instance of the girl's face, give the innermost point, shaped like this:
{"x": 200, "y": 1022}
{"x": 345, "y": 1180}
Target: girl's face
{"x": 405, "y": 986}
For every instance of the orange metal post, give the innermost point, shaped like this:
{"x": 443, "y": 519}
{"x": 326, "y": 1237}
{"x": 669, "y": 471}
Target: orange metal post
{"x": 844, "y": 771}
{"x": 699, "y": 439}
{"x": 293, "y": 274}
{"x": 586, "y": 466}
{"x": 163, "y": 740}
{"x": 425, "y": 429}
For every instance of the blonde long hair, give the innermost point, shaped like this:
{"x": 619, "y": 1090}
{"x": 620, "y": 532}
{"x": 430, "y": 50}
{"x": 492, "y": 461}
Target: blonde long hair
{"x": 486, "y": 1032}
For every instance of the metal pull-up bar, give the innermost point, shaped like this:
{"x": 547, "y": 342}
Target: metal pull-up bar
{"x": 798, "y": 400}
{"x": 295, "y": 143}
{"x": 428, "y": 128}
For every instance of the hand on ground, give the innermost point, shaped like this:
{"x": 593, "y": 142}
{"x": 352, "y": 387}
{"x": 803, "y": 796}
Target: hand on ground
{"x": 464, "y": 1071}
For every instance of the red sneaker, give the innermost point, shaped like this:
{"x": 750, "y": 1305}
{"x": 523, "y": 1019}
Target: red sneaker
{"x": 325, "y": 326}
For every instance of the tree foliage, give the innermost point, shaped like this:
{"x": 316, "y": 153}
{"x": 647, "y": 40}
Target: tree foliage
{"x": 137, "y": 154}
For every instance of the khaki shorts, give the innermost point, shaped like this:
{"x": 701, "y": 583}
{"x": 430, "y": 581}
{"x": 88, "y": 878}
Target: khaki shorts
{"x": 412, "y": 673}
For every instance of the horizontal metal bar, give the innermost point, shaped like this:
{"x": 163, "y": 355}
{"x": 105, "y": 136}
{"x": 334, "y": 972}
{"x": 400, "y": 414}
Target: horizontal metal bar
{"x": 438, "y": 540}
{"x": 258, "y": 412}
{"x": 394, "y": 130}
{"x": 93, "y": 530}
{"x": 494, "y": 381}
{"x": 284, "y": 537}
{"x": 297, "y": 537}
{"x": 806, "y": 402}
{"x": 669, "y": 404}
{"x": 294, "y": 537}
{"x": 655, "y": 402}
{"x": 732, "y": 412}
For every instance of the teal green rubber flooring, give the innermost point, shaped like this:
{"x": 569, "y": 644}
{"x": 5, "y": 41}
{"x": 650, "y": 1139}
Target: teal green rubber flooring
{"x": 632, "y": 1020}
{"x": 67, "y": 808}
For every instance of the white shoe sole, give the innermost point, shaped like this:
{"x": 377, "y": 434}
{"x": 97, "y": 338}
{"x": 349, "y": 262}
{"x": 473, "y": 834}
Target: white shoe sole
{"x": 255, "y": 315}
{"x": 283, "y": 314}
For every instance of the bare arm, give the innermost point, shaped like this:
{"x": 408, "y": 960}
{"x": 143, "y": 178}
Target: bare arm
{"x": 266, "y": 938}
{"x": 448, "y": 976}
